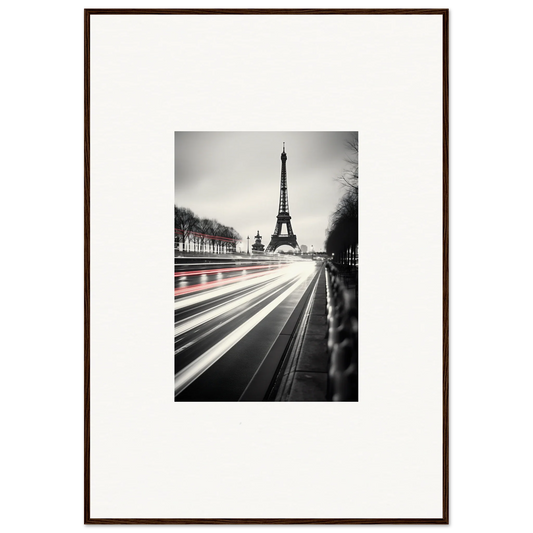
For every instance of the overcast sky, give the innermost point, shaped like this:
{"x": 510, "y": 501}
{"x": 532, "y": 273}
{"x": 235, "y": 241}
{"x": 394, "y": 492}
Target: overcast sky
{"x": 235, "y": 178}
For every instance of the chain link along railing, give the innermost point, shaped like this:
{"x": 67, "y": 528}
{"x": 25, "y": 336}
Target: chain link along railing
{"x": 342, "y": 338}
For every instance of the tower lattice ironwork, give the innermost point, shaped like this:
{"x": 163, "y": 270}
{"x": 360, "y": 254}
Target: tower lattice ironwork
{"x": 278, "y": 237}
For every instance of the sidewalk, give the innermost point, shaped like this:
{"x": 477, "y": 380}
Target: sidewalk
{"x": 305, "y": 376}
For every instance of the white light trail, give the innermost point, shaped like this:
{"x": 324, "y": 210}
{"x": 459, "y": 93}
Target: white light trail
{"x": 222, "y": 324}
{"x": 187, "y": 301}
{"x": 201, "y": 318}
{"x": 195, "y": 369}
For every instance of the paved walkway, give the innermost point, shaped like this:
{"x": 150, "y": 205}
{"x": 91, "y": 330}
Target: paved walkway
{"x": 305, "y": 376}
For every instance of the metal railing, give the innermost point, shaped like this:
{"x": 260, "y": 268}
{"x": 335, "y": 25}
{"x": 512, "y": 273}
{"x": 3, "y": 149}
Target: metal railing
{"x": 342, "y": 338}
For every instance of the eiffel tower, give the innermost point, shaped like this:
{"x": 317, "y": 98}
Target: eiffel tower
{"x": 278, "y": 237}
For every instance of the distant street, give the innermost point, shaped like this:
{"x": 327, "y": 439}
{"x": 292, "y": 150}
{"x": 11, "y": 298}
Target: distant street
{"x": 228, "y": 315}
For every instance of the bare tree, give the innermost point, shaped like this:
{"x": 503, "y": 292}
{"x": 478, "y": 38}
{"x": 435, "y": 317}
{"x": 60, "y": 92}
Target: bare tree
{"x": 185, "y": 221}
{"x": 350, "y": 175}
{"x": 343, "y": 233}
{"x": 236, "y": 237}
{"x": 205, "y": 234}
{"x": 205, "y": 228}
{"x": 213, "y": 232}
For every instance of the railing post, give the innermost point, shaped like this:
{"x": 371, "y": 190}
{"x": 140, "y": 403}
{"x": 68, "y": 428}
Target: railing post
{"x": 342, "y": 339}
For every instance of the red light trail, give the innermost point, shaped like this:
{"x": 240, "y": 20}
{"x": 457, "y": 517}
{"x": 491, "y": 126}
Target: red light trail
{"x": 216, "y": 283}
{"x": 220, "y": 270}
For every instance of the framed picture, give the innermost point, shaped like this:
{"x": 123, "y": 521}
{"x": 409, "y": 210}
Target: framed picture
{"x": 306, "y": 266}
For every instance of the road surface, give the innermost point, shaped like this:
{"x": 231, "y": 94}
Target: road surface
{"x": 228, "y": 316}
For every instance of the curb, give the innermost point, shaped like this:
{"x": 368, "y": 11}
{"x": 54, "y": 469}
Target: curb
{"x": 260, "y": 385}
{"x": 305, "y": 377}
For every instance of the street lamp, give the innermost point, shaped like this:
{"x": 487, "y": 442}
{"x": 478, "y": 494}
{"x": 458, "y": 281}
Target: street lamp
{"x": 248, "y": 245}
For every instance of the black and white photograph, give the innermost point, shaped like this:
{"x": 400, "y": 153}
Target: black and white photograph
{"x": 266, "y": 266}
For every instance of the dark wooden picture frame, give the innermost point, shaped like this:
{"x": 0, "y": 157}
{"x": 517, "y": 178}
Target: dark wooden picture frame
{"x": 443, "y": 13}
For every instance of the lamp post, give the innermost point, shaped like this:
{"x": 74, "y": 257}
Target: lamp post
{"x": 248, "y": 245}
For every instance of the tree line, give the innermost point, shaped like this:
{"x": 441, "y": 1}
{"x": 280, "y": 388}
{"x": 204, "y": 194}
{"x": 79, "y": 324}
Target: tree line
{"x": 195, "y": 234}
{"x": 342, "y": 236}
